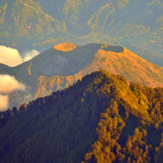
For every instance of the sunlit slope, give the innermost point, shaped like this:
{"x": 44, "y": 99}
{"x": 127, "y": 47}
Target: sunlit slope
{"x": 117, "y": 60}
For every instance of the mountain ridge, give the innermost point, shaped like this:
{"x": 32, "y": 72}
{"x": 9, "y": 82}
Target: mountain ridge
{"x": 114, "y": 67}
{"x": 55, "y": 69}
{"x": 82, "y": 22}
{"x": 81, "y": 122}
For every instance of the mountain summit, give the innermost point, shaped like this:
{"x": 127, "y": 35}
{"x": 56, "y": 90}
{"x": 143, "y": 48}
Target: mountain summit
{"x": 93, "y": 57}
{"x": 64, "y": 64}
{"x": 65, "y": 47}
{"x": 136, "y": 25}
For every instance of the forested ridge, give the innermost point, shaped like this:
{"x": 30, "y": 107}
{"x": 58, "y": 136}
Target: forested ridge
{"x": 101, "y": 118}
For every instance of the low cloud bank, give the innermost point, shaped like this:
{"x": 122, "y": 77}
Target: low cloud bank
{"x": 4, "y": 100}
{"x": 11, "y": 57}
{"x": 8, "y": 85}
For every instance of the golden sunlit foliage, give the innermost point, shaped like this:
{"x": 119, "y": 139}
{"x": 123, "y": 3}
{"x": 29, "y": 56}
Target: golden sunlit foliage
{"x": 108, "y": 147}
{"x": 99, "y": 119}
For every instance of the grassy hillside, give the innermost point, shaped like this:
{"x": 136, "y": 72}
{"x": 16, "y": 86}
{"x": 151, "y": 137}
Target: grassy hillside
{"x": 124, "y": 123}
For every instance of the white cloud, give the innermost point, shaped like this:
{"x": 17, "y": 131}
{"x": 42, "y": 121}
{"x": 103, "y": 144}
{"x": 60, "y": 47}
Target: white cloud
{"x": 30, "y": 54}
{"x": 10, "y": 56}
{"x": 4, "y": 102}
{"x": 10, "y": 84}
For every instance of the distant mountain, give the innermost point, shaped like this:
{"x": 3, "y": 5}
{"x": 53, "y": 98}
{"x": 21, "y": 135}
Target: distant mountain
{"x": 115, "y": 59}
{"x": 99, "y": 119}
{"x": 38, "y": 23}
{"x": 65, "y": 64}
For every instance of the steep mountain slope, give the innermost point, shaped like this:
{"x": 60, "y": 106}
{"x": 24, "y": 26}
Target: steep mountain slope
{"x": 124, "y": 123}
{"x": 116, "y": 60}
{"x": 36, "y": 23}
{"x": 64, "y": 64}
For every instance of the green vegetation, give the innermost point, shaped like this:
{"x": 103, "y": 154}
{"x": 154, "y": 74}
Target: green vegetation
{"x": 99, "y": 119}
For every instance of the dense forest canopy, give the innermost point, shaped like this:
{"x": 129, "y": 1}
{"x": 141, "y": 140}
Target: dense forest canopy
{"x": 101, "y": 118}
